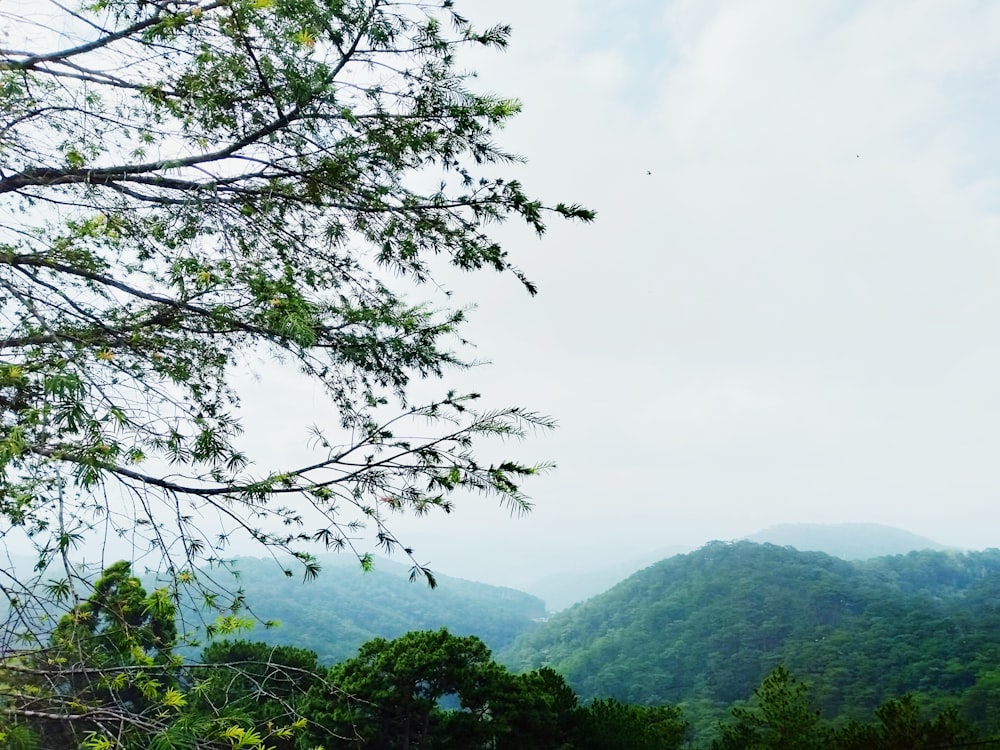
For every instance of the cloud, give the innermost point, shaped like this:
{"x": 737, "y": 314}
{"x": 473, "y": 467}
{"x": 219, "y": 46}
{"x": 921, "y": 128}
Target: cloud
{"x": 787, "y": 310}
{"x": 802, "y": 292}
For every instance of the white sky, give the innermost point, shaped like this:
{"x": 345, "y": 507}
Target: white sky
{"x": 794, "y": 318}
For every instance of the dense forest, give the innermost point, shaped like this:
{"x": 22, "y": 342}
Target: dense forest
{"x": 850, "y": 541}
{"x": 344, "y": 606}
{"x": 699, "y": 630}
{"x": 424, "y": 689}
{"x": 702, "y": 629}
{"x": 735, "y": 645}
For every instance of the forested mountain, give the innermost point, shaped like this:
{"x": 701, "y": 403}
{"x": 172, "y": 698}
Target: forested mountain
{"x": 703, "y": 629}
{"x": 344, "y": 607}
{"x": 424, "y": 689}
{"x": 851, "y": 541}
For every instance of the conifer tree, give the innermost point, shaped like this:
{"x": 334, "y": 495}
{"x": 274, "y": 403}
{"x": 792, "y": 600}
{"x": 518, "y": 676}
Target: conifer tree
{"x": 191, "y": 187}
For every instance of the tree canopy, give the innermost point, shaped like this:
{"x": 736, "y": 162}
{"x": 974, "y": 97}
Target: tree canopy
{"x": 108, "y": 670}
{"x": 189, "y": 187}
{"x": 703, "y": 629}
{"x": 192, "y": 187}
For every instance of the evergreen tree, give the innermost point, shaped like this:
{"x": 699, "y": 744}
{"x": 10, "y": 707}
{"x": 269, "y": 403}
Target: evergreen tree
{"x": 780, "y": 716}
{"x": 189, "y": 187}
{"x": 109, "y": 670}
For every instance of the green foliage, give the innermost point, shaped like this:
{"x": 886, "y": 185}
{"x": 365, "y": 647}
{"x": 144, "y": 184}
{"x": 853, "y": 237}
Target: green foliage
{"x": 394, "y": 689}
{"x": 18, "y": 737}
{"x": 344, "y": 607}
{"x": 110, "y": 657}
{"x": 535, "y": 711}
{"x": 237, "y": 180}
{"x": 119, "y": 623}
{"x": 902, "y": 726}
{"x": 424, "y": 689}
{"x": 434, "y": 689}
{"x": 189, "y": 187}
{"x": 257, "y": 687}
{"x": 702, "y": 629}
{"x": 608, "y": 724}
{"x": 780, "y": 716}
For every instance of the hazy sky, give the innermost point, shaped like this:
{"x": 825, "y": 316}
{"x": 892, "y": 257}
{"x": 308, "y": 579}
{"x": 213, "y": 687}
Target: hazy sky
{"x": 789, "y": 308}
{"x": 794, "y": 317}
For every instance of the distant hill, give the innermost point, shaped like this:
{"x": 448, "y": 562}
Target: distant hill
{"x": 703, "y": 629}
{"x": 849, "y": 541}
{"x": 344, "y": 607}
{"x": 562, "y": 590}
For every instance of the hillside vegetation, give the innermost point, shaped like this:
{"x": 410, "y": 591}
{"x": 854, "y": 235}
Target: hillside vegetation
{"x": 703, "y": 629}
{"x": 344, "y": 606}
{"x": 730, "y": 647}
{"x": 850, "y": 541}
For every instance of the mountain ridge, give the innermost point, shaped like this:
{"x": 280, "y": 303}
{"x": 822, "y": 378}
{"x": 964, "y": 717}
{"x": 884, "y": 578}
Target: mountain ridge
{"x": 703, "y": 629}
{"x": 344, "y": 606}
